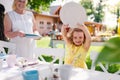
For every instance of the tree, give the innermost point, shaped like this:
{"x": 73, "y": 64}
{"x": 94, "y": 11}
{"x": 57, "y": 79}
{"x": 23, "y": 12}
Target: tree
{"x": 88, "y": 5}
{"x": 39, "y": 5}
{"x": 97, "y": 12}
{"x": 115, "y": 9}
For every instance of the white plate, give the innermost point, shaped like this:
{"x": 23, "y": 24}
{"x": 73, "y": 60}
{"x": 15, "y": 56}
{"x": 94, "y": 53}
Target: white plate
{"x": 72, "y": 13}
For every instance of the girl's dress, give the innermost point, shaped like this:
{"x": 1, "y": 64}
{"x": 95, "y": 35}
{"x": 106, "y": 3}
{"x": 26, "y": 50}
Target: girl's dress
{"x": 23, "y": 22}
{"x": 76, "y": 56}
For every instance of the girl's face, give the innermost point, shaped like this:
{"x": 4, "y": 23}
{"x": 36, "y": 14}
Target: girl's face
{"x": 78, "y": 38}
{"x": 21, "y": 4}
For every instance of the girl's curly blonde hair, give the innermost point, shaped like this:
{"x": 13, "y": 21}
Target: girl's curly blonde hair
{"x": 70, "y": 34}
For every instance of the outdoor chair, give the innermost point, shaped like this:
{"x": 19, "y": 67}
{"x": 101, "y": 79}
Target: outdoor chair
{"x": 55, "y": 53}
{"x": 118, "y": 72}
{"x": 10, "y": 47}
{"x": 93, "y": 56}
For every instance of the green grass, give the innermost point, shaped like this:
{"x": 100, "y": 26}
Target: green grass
{"x": 44, "y": 42}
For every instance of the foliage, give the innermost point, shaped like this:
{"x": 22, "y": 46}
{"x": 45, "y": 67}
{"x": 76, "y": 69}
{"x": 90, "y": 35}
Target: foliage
{"x": 110, "y": 52}
{"x": 39, "y": 5}
{"x": 48, "y": 59}
{"x": 43, "y": 42}
{"x": 88, "y": 62}
{"x": 97, "y": 12}
{"x": 89, "y": 8}
{"x": 114, "y": 9}
{"x": 113, "y": 68}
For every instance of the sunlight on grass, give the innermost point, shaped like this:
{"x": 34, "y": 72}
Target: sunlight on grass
{"x": 60, "y": 46}
{"x": 44, "y": 42}
{"x": 95, "y": 48}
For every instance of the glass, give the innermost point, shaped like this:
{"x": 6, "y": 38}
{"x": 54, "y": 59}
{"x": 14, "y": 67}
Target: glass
{"x": 65, "y": 71}
{"x": 1, "y": 63}
{"x": 11, "y": 60}
{"x": 30, "y": 75}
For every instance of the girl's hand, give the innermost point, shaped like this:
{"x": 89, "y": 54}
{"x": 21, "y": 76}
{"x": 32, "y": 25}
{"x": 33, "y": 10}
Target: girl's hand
{"x": 66, "y": 28}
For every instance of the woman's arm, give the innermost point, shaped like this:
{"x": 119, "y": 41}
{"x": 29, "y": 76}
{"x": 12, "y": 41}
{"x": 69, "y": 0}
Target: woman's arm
{"x": 35, "y": 29}
{"x": 8, "y": 28}
{"x": 87, "y": 42}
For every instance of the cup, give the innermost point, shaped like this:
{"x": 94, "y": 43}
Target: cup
{"x": 11, "y": 60}
{"x": 30, "y": 75}
{"x": 65, "y": 71}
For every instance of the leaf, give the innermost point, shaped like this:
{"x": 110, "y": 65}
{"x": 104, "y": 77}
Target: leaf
{"x": 110, "y": 52}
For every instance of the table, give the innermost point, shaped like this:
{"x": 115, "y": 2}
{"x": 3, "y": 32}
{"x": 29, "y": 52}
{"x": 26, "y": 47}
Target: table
{"x": 15, "y": 73}
{"x": 84, "y": 74}
{"x": 44, "y": 71}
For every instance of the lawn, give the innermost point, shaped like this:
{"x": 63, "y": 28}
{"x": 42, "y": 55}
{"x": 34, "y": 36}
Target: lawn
{"x": 45, "y": 41}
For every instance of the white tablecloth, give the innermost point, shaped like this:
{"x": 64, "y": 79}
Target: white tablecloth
{"x": 44, "y": 71}
{"x": 84, "y": 74}
{"x": 15, "y": 73}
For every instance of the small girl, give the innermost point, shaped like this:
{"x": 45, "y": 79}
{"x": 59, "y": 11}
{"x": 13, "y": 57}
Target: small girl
{"x": 77, "y": 41}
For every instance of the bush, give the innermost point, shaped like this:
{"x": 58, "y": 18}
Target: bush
{"x": 112, "y": 68}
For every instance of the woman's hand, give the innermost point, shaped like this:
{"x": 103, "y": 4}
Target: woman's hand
{"x": 20, "y": 33}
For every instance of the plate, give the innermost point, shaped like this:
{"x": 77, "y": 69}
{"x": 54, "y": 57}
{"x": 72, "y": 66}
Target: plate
{"x": 72, "y": 13}
{"x": 32, "y": 36}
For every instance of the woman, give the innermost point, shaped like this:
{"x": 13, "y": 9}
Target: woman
{"x": 17, "y": 23}
{"x": 78, "y": 42}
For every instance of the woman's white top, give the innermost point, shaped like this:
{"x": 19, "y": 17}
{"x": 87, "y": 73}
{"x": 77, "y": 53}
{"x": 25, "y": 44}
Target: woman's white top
{"x": 23, "y": 22}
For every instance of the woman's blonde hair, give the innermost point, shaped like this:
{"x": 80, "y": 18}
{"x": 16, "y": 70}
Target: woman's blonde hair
{"x": 14, "y": 4}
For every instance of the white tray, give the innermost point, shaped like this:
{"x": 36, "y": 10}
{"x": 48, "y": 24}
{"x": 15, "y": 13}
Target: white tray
{"x": 32, "y": 36}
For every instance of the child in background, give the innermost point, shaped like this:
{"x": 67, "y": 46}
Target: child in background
{"x": 77, "y": 41}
